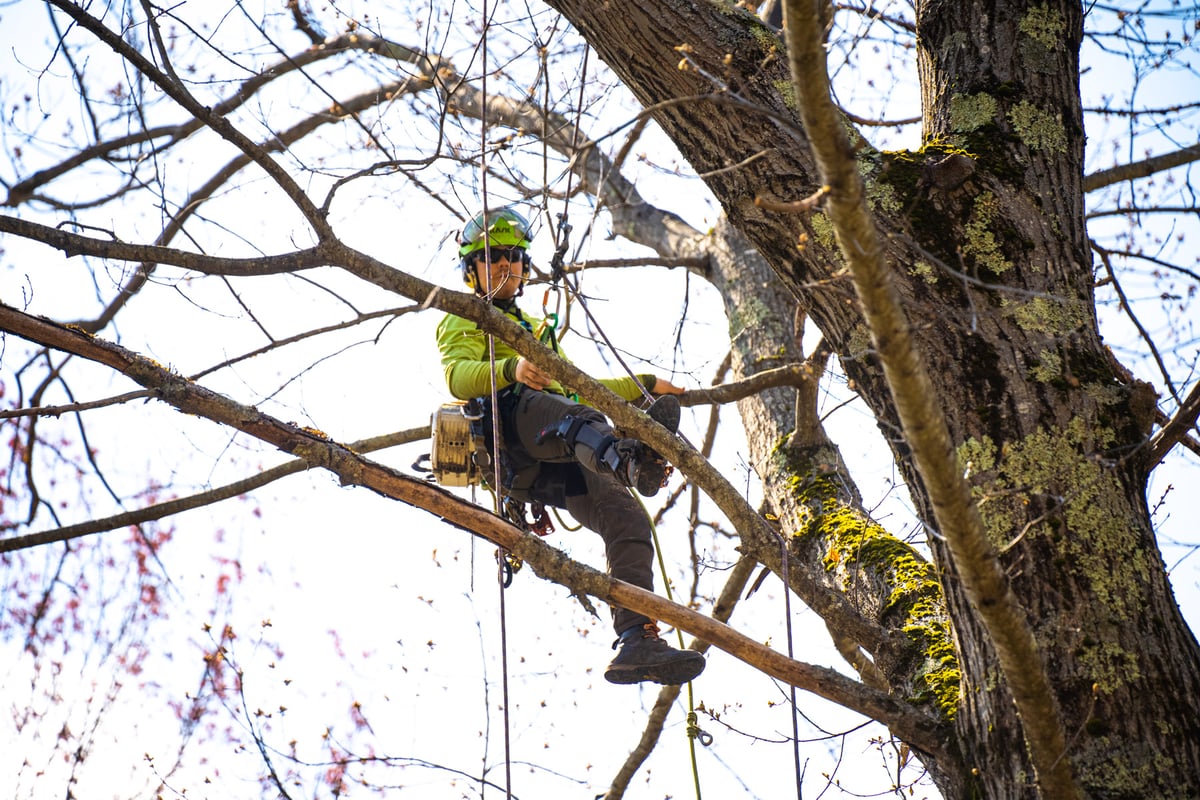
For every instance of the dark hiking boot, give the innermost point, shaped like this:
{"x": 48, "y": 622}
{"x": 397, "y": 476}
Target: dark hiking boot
{"x": 665, "y": 411}
{"x": 644, "y": 656}
{"x": 652, "y": 469}
{"x": 637, "y": 466}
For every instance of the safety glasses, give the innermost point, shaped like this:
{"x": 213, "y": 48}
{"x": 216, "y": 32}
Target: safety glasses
{"x": 513, "y": 255}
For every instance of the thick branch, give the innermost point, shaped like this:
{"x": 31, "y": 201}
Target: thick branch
{"x": 73, "y": 244}
{"x": 353, "y": 469}
{"x": 794, "y": 375}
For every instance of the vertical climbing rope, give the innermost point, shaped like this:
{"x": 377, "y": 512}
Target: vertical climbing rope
{"x": 693, "y": 728}
{"x": 487, "y": 257}
{"x": 787, "y": 610}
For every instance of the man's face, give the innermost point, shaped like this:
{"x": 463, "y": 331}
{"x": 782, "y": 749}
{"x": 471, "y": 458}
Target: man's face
{"x": 501, "y": 279}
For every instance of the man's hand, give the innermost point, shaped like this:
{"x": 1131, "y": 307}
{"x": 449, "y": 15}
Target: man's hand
{"x": 531, "y": 376}
{"x": 664, "y": 386}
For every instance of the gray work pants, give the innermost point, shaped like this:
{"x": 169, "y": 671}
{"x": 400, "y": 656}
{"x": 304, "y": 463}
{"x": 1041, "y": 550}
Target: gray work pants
{"x": 598, "y": 501}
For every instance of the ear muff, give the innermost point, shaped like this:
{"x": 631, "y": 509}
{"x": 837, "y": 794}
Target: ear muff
{"x": 467, "y": 266}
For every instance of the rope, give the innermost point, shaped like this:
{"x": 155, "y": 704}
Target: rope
{"x": 561, "y": 236}
{"x": 562, "y": 232}
{"x": 495, "y": 415}
{"x": 694, "y": 732}
{"x": 560, "y": 250}
{"x": 564, "y": 525}
{"x": 787, "y": 607}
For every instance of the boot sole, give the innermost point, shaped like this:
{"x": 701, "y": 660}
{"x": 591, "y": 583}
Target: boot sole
{"x": 666, "y": 412}
{"x": 665, "y": 674}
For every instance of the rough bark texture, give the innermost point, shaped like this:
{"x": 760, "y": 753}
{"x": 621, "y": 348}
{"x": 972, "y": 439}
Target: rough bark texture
{"x": 987, "y": 236}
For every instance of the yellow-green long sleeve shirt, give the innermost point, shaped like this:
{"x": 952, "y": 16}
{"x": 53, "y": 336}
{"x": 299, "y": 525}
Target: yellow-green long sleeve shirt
{"x": 465, "y": 362}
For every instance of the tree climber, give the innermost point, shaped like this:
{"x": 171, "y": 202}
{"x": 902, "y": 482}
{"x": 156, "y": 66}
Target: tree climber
{"x": 559, "y": 452}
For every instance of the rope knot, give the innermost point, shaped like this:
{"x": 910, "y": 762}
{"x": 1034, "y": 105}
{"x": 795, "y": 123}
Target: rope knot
{"x": 694, "y": 731}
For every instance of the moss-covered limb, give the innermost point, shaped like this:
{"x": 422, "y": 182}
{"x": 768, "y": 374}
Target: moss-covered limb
{"x": 885, "y": 577}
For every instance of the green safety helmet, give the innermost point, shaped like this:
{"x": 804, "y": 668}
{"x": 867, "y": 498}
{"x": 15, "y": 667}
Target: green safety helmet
{"x": 505, "y": 227}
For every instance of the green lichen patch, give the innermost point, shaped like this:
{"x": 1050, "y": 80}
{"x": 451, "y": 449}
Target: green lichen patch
{"x": 977, "y": 455}
{"x": 750, "y": 314}
{"x": 981, "y": 243}
{"x": 1038, "y": 129}
{"x": 924, "y": 270}
{"x": 1120, "y": 768}
{"x": 1084, "y": 514}
{"x": 1044, "y": 25}
{"x": 822, "y": 230}
{"x": 1049, "y": 367}
{"x": 766, "y": 38}
{"x": 1105, "y": 394}
{"x": 860, "y": 342}
{"x": 1047, "y": 315}
{"x": 881, "y": 196}
{"x": 787, "y": 92}
{"x": 912, "y": 176}
{"x": 1109, "y": 665}
{"x": 970, "y": 112}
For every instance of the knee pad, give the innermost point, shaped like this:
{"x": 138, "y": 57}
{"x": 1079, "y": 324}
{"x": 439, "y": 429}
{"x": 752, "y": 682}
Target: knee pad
{"x": 578, "y": 431}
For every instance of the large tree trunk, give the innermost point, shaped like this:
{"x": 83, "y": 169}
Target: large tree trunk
{"x": 989, "y": 248}
{"x": 1054, "y": 431}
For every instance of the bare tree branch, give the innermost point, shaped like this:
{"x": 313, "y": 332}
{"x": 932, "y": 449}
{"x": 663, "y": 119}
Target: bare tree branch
{"x": 1141, "y": 169}
{"x": 171, "y": 507}
{"x": 73, "y": 244}
{"x": 1177, "y": 429}
{"x": 216, "y": 122}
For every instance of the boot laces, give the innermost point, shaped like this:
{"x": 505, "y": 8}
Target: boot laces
{"x": 650, "y": 631}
